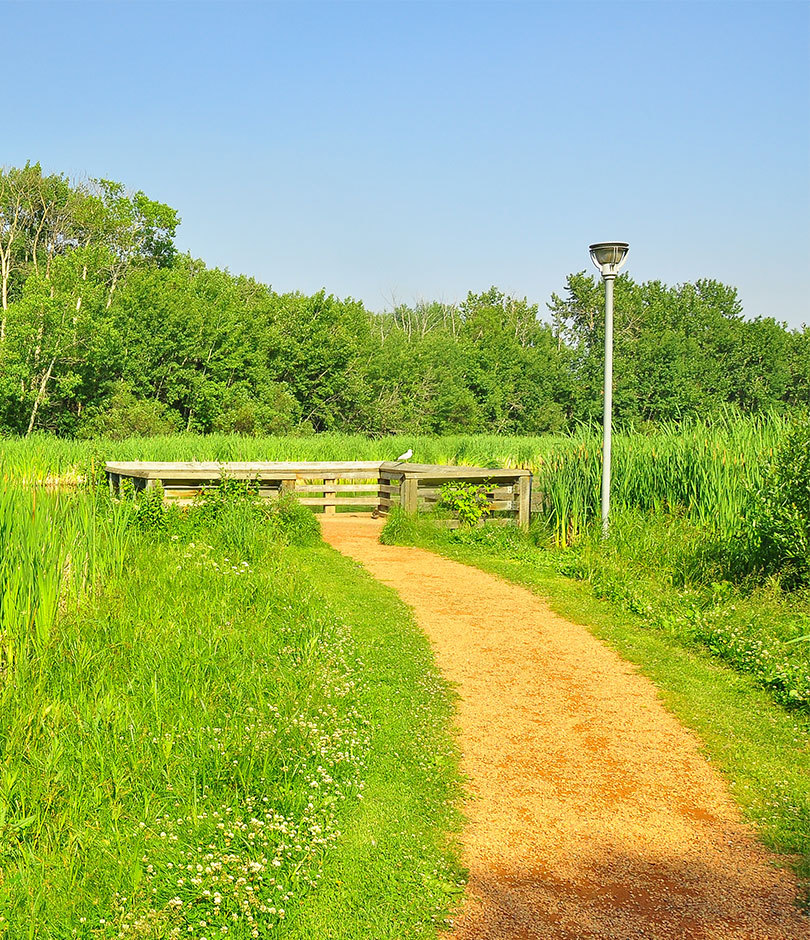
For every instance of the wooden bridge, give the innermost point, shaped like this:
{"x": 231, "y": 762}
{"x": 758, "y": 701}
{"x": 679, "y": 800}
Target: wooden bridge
{"x": 364, "y": 485}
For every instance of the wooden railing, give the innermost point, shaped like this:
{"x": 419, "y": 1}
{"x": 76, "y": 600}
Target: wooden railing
{"x": 335, "y": 485}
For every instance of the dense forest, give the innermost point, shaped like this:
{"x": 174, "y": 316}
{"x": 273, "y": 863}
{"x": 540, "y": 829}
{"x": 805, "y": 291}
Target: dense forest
{"x": 107, "y": 329}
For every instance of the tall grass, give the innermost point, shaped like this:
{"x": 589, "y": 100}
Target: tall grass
{"x": 707, "y": 471}
{"x": 54, "y": 550}
{"x": 184, "y": 723}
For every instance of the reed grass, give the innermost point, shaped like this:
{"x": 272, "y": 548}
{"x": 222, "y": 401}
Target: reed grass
{"x": 55, "y": 550}
{"x": 705, "y": 470}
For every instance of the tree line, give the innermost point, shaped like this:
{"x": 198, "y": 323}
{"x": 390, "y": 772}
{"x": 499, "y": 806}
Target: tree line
{"x": 105, "y": 328}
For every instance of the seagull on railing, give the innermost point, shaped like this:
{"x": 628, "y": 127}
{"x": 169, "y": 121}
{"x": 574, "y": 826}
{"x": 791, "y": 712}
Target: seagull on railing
{"x": 406, "y": 456}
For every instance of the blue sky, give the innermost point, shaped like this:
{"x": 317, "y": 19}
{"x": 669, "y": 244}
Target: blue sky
{"x": 398, "y": 151}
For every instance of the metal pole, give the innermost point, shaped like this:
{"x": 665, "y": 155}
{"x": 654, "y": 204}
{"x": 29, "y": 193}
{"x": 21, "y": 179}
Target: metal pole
{"x": 608, "y": 418}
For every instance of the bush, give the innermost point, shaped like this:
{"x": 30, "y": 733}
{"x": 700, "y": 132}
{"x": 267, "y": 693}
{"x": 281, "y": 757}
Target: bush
{"x": 505, "y": 539}
{"x": 468, "y": 500}
{"x": 273, "y": 411}
{"x": 230, "y": 515}
{"x": 781, "y": 517}
{"x": 124, "y": 416}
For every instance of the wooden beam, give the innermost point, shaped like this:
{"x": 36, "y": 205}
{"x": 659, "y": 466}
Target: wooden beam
{"x": 409, "y": 499}
{"x": 498, "y": 505}
{"x": 329, "y": 496}
{"x": 338, "y": 488}
{"x": 494, "y": 492}
{"x": 524, "y": 502}
{"x": 332, "y": 501}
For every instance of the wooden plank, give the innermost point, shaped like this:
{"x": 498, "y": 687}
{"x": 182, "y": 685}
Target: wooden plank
{"x": 318, "y": 476}
{"x": 336, "y": 501}
{"x": 205, "y": 475}
{"x": 376, "y": 468}
{"x": 454, "y": 470}
{"x": 495, "y": 504}
{"x": 338, "y": 488}
{"x": 446, "y": 474}
{"x": 456, "y": 523}
{"x": 524, "y": 502}
{"x": 329, "y": 466}
{"x": 386, "y": 488}
{"x": 497, "y": 492}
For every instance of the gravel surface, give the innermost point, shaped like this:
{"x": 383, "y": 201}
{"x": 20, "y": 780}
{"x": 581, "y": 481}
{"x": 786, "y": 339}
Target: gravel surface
{"x": 591, "y": 811}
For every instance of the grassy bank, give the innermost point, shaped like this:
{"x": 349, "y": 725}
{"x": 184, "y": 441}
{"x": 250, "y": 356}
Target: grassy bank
{"x": 760, "y": 746}
{"x": 205, "y": 742}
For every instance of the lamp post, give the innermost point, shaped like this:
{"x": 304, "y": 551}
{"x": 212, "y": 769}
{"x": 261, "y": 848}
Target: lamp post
{"x": 608, "y": 257}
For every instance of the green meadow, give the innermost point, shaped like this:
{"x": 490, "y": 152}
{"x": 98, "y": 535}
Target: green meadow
{"x": 211, "y": 724}
{"x": 197, "y": 728}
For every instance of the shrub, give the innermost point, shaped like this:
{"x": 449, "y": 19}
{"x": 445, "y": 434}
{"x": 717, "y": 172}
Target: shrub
{"x": 505, "y": 539}
{"x": 124, "y": 416}
{"x": 231, "y": 515}
{"x": 781, "y": 516}
{"x": 272, "y": 411}
{"x": 468, "y": 500}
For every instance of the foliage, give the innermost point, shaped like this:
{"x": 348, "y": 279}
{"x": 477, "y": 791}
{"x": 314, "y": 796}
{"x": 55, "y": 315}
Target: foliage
{"x": 42, "y": 576}
{"x": 468, "y": 501}
{"x": 124, "y": 416}
{"x": 708, "y": 473}
{"x": 781, "y": 513}
{"x": 754, "y": 633}
{"x": 507, "y": 538}
{"x": 230, "y": 512}
{"x": 106, "y": 329}
{"x": 150, "y": 512}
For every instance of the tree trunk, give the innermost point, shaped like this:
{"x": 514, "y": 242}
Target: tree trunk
{"x": 40, "y": 396}
{"x": 4, "y": 277}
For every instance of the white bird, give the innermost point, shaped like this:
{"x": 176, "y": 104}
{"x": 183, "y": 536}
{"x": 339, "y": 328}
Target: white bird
{"x": 407, "y": 455}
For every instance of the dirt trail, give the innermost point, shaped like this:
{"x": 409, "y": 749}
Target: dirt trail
{"x": 592, "y": 812}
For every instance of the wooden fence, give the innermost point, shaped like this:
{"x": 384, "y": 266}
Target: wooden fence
{"x": 335, "y": 485}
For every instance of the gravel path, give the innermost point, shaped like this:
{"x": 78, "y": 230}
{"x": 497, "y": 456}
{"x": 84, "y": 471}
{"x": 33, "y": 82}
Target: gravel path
{"x": 592, "y": 813}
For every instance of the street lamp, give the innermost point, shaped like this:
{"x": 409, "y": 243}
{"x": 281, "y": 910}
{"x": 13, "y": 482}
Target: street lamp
{"x": 608, "y": 257}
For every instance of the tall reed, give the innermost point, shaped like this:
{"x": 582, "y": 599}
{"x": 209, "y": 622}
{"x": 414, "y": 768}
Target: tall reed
{"x": 54, "y": 549}
{"x": 705, "y": 470}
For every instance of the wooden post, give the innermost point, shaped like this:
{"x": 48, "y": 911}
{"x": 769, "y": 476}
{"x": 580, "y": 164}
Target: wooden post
{"x": 329, "y": 491}
{"x": 286, "y": 487}
{"x": 524, "y": 494}
{"x": 409, "y": 499}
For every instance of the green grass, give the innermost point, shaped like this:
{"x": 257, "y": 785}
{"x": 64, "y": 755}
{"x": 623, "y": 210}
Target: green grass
{"x": 214, "y": 736}
{"x": 762, "y": 749}
{"x": 396, "y": 874}
{"x": 708, "y": 471}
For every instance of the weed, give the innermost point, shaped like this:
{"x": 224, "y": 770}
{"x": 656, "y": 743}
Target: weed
{"x": 467, "y": 500}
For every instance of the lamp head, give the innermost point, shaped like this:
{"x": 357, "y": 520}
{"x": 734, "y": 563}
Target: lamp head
{"x": 609, "y": 256}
